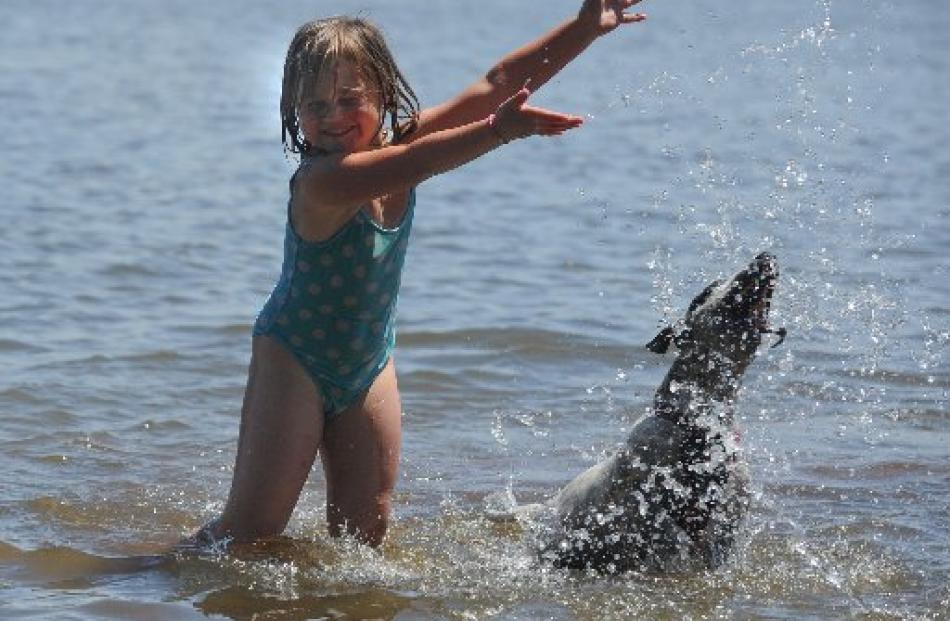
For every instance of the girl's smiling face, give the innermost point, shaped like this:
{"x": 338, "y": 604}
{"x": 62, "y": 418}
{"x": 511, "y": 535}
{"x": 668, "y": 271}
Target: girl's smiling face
{"x": 341, "y": 112}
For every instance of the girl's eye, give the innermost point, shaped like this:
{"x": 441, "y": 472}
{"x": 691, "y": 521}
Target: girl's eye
{"x": 318, "y": 108}
{"x": 321, "y": 109}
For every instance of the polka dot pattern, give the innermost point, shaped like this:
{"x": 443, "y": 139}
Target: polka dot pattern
{"x": 335, "y": 303}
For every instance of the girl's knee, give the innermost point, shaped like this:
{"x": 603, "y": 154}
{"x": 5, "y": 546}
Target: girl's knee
{"x": 373, "y": 531}
{"x": 367, "y": 524}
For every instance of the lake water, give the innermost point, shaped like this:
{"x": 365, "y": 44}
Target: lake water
{"x": 143, "y": 201}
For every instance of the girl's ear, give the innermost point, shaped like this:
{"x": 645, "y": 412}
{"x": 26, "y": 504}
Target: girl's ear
{"x": 383, "y": 137}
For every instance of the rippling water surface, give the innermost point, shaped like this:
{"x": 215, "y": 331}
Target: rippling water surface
{"x": 143, "y": 204}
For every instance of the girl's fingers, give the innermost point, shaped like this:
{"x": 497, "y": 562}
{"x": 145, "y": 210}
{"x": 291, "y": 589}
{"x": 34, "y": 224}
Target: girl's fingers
{"x": 526, "y": 120}
{"x": 555, "y": 128}
{"x": 626, "y": 18}
{"x": 563, "y": 124}
{"x": 634, "y": 17}
{"x": 547, "y": 115}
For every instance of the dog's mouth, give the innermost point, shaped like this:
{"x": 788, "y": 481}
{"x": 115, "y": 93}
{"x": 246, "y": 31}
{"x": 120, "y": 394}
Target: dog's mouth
{"x": 744, "y": 308}
{"x": 760, "y": 288}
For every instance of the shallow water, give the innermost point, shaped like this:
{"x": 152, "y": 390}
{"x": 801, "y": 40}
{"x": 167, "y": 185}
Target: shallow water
{"x": 143, "y": 200}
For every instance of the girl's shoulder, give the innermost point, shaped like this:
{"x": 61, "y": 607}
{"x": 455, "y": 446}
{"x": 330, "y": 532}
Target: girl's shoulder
{"x": 310, "y": 164}
{"x": 310, "y": 216}
{"x": 312, "y": 172}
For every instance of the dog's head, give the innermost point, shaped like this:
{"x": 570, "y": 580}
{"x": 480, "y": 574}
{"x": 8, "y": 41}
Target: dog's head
{"x": 728, "y": 318}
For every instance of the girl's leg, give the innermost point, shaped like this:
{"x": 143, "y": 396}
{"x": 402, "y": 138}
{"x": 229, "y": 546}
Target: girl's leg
{"x": 281, "y": 428}
{"x": 360, "y": 453}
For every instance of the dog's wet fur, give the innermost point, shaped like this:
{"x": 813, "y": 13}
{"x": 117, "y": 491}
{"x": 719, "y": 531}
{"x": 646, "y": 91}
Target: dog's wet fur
{"x": 674, "y": 494}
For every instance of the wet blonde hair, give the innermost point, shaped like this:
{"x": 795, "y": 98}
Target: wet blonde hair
{"x": 316, "y": 47}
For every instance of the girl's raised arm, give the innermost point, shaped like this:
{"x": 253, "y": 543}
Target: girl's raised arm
{"x": 331, "y": 188}
{"x": 537, "y": 61}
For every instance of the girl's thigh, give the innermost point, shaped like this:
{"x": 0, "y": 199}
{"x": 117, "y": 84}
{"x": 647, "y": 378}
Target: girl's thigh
{"x": 281, "y": 428}
{"x": 360, "y": 453}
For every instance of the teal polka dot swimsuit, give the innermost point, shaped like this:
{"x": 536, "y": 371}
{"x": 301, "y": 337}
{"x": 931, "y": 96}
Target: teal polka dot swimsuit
{"x": 334, "y": 306}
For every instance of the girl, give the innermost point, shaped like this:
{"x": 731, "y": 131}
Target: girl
{"x": 321, "y": 375}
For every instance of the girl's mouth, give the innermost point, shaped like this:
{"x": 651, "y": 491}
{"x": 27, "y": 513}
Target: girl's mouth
{"x": 340, "y": 134}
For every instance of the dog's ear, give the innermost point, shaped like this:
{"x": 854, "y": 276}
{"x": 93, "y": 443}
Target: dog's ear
{"x": 684, "y": 339}
{"x": 661, "y": 342}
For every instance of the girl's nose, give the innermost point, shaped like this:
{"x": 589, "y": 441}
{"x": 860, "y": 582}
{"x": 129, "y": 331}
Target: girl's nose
{"x": 330, "y": 114}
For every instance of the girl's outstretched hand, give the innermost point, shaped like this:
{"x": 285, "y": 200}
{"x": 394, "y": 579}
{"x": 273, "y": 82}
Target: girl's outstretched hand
{"x": 514, "y": 119}
{"x": 605, "y": 15}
